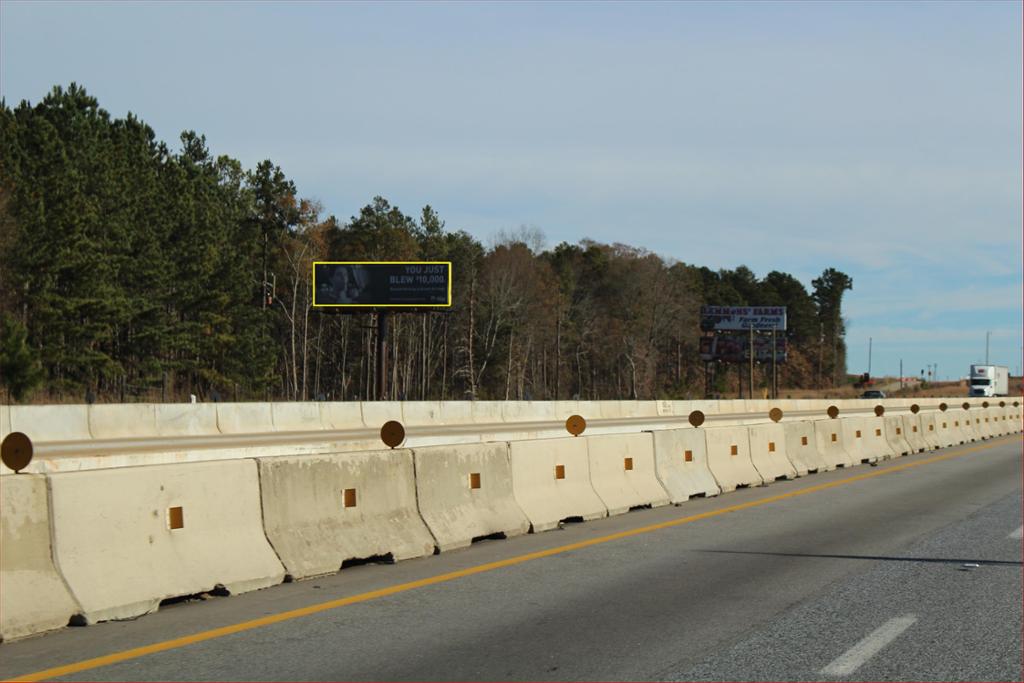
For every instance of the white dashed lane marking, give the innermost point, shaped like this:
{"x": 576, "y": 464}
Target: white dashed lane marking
{"x": 852, "y": 659}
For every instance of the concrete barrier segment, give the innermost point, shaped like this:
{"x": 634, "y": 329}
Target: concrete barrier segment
{"x": 622, "y": 471}
{"x": 913, "y": 433}
{"x": 452, "y": 413}
{"x": 122, "y": 420}
{"x": 829, "y": 436}
{"x": 768, "y": 453}
{"x": 929, "y": 430}
{"x": 681, "y": 464}
{"x": 876, "y": 443}
{"x": 343, "y": 415}
{"x": 528, "y": 411}
{"x": 958, "y": 426}
{"x": 33, "y": 596}
{"x": 729, "y": 458}
{"x": 423, "y": 413}
{"x": 485, "y": 412}
{"x": 320, "y": 511}
{"x": 376, "y": 413}
{"x": 551, "y": 481}
{"x": 186, "y": 419}
{"x": 125, "y": 539}
{"x": 968, "y": 427}
{"x": 1001, "y": 421}
{"x": 944, "y": 429}
{"x": 893, "y": 430}
{"x": 464, "y": 492}
{"x": 855, "y": 440}
{"x": 51, "y": 423}
{"x": 802, "y": 447}
{"x": 563, "y": 409}
{"x": 296, "y": 416}
{"x": 244, "y": 418}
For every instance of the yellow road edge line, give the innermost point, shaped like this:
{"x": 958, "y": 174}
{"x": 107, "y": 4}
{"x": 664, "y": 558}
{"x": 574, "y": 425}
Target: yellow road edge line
{"x": 135, "y": 653}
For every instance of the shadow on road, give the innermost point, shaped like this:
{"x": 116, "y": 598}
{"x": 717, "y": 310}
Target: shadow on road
{"x": 934, "y": 560}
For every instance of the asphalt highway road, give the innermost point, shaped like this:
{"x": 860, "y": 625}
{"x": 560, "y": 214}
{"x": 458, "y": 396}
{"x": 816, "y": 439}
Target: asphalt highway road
{"x": 860, "y": 574}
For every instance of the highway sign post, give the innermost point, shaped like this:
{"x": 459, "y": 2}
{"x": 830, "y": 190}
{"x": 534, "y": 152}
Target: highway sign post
{"x": 740, "y": 334}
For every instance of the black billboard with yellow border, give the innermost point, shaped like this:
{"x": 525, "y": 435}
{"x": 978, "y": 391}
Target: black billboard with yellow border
{"x": 382, "y": 284}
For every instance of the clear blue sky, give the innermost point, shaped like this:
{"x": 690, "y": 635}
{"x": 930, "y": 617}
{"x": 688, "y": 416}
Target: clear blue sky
{"x": 883, "y": 139}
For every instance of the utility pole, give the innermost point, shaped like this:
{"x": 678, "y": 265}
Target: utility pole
{"x": 987, "y": 335}
{"x": 901, "y": 374}
{"x": 869, "y": 356}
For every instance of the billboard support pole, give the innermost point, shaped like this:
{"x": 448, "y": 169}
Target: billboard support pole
{"x": 382, "y": 355}
{"x": 750, "y": 383}
{"x": 775, "y": 379}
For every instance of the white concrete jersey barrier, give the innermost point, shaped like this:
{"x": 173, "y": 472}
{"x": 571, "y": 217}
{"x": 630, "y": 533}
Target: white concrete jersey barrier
{"x": 551, "y": 481}
{"x": 969, "y": 426}
{"x": 33, "y": 596}
{"x": 1000, "y": 421}
{"x": 971, "y": 421}
{"x": 829, "y": 435}
{"x": 486, "y": 412}
{"x": 944, "y": 430}
{"x": 51, "y": 423}
{"x": 961, "y": 425}
{"x": 1011, "y": 422}
{"x": 125, "y": 539}
{"x": 985, "y": 422}
{"x": 802, "y": 447}
{"x": 321, "y": 510}
{"x": 894, "y": 435}
{"x": 1005, "y": 424}
{"x": 186, "y": 419}
{"x": 977, "y": 418}
{"x": 376, "y": 413}
{"x": 768, "y": 452}
{"x": 915, "y": 435}
{"x": 425, "y": 413}
{"x": 729, "y": 458}
{"x": 1008, "y": 422}
{"x": 929, "y": 431}
{"x": 528, "y": 411}
{"x": 989, "y": 420}
{"x": 876, "y": 444}
{"x": 122, "y": 421}
{"x": 342, "y": 415}
{"x": 244, "y": 418}
{"x": 681, "y": 463}
{"x": 622, "y": 471}
{"x": 296, "y": 416}
{"x": 854, "y": 440}
{"x": 465, "y": 493}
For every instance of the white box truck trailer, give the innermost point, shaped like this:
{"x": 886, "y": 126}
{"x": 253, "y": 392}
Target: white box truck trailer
{"x": 990, "y": 380}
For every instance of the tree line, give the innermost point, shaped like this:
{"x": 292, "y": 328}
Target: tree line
{"x": 131, "y": 271}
